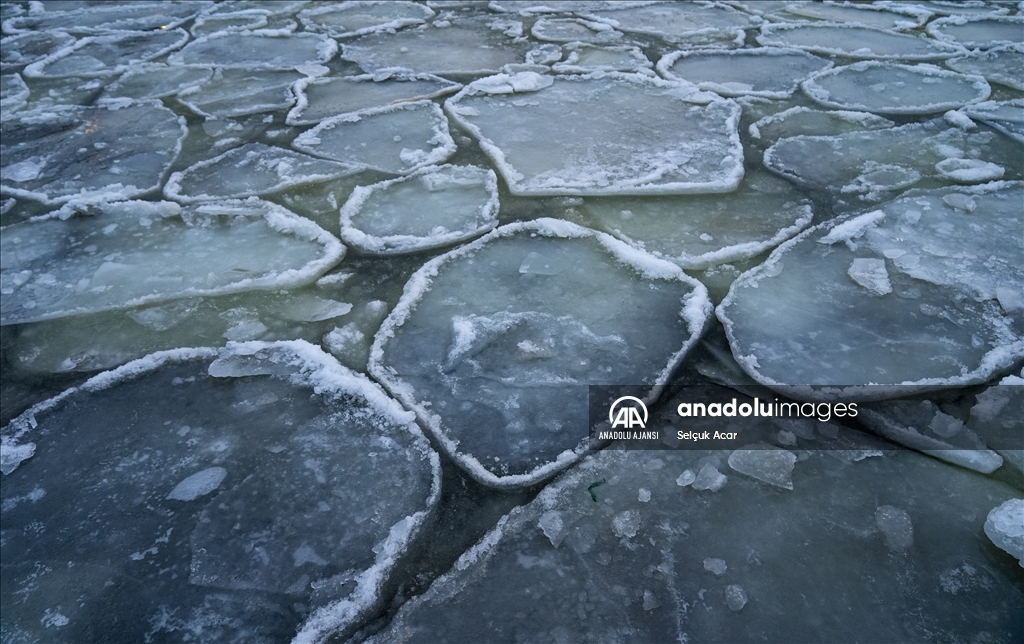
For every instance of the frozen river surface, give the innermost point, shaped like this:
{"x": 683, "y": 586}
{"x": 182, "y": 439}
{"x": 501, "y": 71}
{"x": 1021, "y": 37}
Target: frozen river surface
{"x": 303, "y": 305}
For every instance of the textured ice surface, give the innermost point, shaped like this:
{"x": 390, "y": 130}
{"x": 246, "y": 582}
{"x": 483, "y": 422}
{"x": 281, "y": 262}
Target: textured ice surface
{"x": 583, "y": 58}
{"x": 156, "y": 81}
{"x": 701, "y": 231}
{"x": 251, "y": 496}
{"x": 1005, "y": 527}
{"x": 88, "y": 152}
{"x": 676, "y": 21}
{"x": 802, "y": 318}
{"x": 397, "y": 139}
{"x": 134, "y": 252}
{"x": 253, "y": 169}
{"x": 1003, "y": 65}
{"x": 13, "y": 93}
{"x": 321, "y": 98}
{"x": 435, "y": 207}
{"x": 888, "y": 88}
{"x": 85, "y": 19}
{"x": 564, "y": 137}
{"x": 856, "y": 42}
{"x": 255, "y": 50}
{"x": 363, "y": 17}
{"x": 652, "y": 583}
{"x": 493, "y": 344}
{"x": 30, "y": 47}
{"x": 1005, "y": 116}
{"x": 243, "y": 20}
{"x": 803, "y": 120}
{"x": 979, "y": 32}
{"x": 573, "y": 30}
{"x": 767, "y": 71}
{"x": 859, "y": 14}
{"x": 107, "y": 55}
{"x": 231, "y": 93}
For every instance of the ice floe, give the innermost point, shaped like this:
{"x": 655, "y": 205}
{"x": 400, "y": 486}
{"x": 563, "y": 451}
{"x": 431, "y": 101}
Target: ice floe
{"x": 236, "y": 499}
{"x": 230, "y": 93}
{"x": 1005, "y": 116}
{"x": 573, "y": 30}
{"x": 125, "y": 254}
{"x": 432, "y": 208}
{"x": 156, "y": 81}
{"x": 256, "y": 50}
{"x": 363, "y": 17}
{"x": 978, "y": 32}
{"x": 888, "y": 88}
{"x": 322, "y": 98}
{"x": 245, "y": 20}
{"x": 493, "y": 344}
{"x": 776, "y": 73}
{"x": 583, "y": 58}
{"x": 106, "y": 55}
{"x": 563, "y": 135}
{"x": 694, "y": 23}
{"x": 837, "y": 39}
{"x": 30, "y": 47}
{"x": 800, "y": 120}
{"x": 141, "y": 17}
{"x": 900, "y": 17}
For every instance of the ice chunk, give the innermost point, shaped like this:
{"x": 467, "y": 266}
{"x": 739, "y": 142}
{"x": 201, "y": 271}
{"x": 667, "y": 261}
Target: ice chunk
{"x": 701, "y": 231}
{"x": 81, "y": 19}
{"x": 776, "y": 73}
{"x": 888, "y": 88}
{"x": 255, "y": 50}
{"x": 399, "y": 139}
{"x": 88, "y": 153}
{"x": 156, "y": 81}
{"x": 855, "y": 42}
{"x": 435, "y": 207}
{"x": 715, "y": 566}
{"x": 323, "y": 98}
{"x": 710, "y": 479}
{"x": 686, "y": 478}
{"x": 244, "y": 20}
{"x": 107, "y": 55}
{"x": 626, "y": 523}
{"x": 583, "y": 58}
{"x": 496, "y": 360}
{"x": 30, "y": 47}
{"x": 363, "y": 17}
{"x": 573, "y": 30}
{"x": 969, "y": 170}
{"x": 735, "y": 597}
{"x": 896, "y": 527}
{"x": 267, "y": 477}
{"x": 1004, "y": 526}
{"x": 981, "y": 32}
{"x": 871, "y": 274}
{"x": 1003, "y": 65}
{"x": 766, "y": 464}
{"x": 231, "y": 93}
{"x": 803, "y": 120}
{"x": 1005, "y": 116}
{"x": 567, "y": 139}
{"x": 900, "y": 17}
{"x": 253, "y": 169}
{"x": 553, "y": 527}
{"x": 12, "y": 454}
{"x": 138, "y": 252}
{"x": 694, "y": 24}
{"x": 838, "y": 332}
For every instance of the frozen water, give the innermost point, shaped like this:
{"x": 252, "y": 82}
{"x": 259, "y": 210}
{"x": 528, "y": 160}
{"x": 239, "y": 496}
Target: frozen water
{"x": 776, "y": 73}
{"x": 701, "y": 231}
{"x": 998, "y": 419}
{"x": 715, "y": 566}
{"x": 89, "y": 153}
{"x": 135, "y": 252}
{"x": 1005, "y": 527}
{"x": 978, "y": 32}
{"x": 710, "y": 479}
{"x": 856, "y": 42}
{"x": 583, "y": 58}
{"x": 1005, "y": 116}
{"x": 256, "y": 50}
{"x": 560, "y": 137}
{"x": 12, "y": 455}
{"x": 675, "y": 21}
{"x": 433, "y": 208}
{"x": 156, "y": 81}
{"x": 13, "y": 93}
{"x": 600, "y": 584}
{"x": 1003, "y": 65}
{"x": 493, "y": 344}
{"x": 245, "y": 20}
{"x": 871, "y": 274}
{"x": 30, "y": 47}
{"x": 765, "y": 464}
{"x": 363, "y": 17}
{"x": 969, "y": 170}
{"x": 573, "y": 30}
{"x": 107, "y": 55}
{"x": 950, "y": 7}
{"x": 887, "y": 88}
{"x": 253, "y": 169}
{"x": 858, "y": 14}
{"x": 255, "y": 489}
{"x": 803, "y": 120}
{"x": 943, "y": 265}
{"x": 398, "y": 139}
{"x": 321, "y": 98}
{"x": 100, "y": 19}
{"x": 230, "y": 93}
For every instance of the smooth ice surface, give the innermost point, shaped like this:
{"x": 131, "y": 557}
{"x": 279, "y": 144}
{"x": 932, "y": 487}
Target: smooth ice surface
{"x": 804, "y": 318}
{"x": 631, "y": 571}
{"x": 250, "y": 497}
{"x": 156, "y": 81}
{"x": 765, "y": 464}
{"x": 803, "y": 120}
{"x": 861, "y": 14}
{"x": 435, "y": 207}
{"x": 769, "y": 72}
{"x": 1005, "y": 527}
{"x": 701, "y": 231}
{"x": 979, "y": 32}
{"x": 888, "y": 88}
{"x": 363, "y": 17}
{"x": 676, "y": 21}
{"x": 253, "y": 169}
{"x": 88, "y": 153}
{"x": 1003, "y": 65}
{"x": 107, "y": 55}
{"x": 230, "y": 93}
{"x": 321, "y": 98}
{"x": 255, "y": 50}
{"x": 856, "y": 42}
{"x": 493, "y": 344}
{"x": 561, "y": 136}
{"x": 135, "y": 252}
{"x": 583, "y": 58}
{"x": 399, "y": 139}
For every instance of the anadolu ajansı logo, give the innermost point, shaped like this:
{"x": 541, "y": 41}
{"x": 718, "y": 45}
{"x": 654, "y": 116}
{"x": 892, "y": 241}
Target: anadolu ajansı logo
{"x": 628, "y": 416}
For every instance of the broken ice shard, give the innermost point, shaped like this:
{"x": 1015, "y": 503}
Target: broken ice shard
{"x": 1005, "y": 527}
{"x": 563, "y": 135}
{"x": 494, "y": 344}
{"x": 135, "y": 252}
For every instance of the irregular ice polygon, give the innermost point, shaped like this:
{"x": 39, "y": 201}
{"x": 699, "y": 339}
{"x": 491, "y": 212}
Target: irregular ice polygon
{"x": 573, "y": 30}
{"x": 102, "y": 19}
{"x": 801, "y": 120}
{"x": 156, "y": 81}
{"x": 1003, "y": 65}
{"x": 88, "y": 153}
{"x": 399, "y": 138}
{"x": 253, "y": 169}
{"x": 230, "y": 93}
{"x": 677, "y": 21}
{"x": 697, "y": 232}
{"x": 856, "y": 42}
{"x": 1005, "y": 527}
{"x": 769, "y": 72}
{"x": 802, "y": 319}
{"x": 566, "y": 137}
{"x": 1005, "y": 116}
{"x": 256, "y": 50}
{"x": 948, "y": 7}
{"x": 978, "y": 32}
{"x": 888, "y": 88}
{"x": 321, "y": 98}
{"x": 244, "y": 20}
{"x": 106, "y": 55}
{"x": 242, "y": 474}
{"x": 356, "y": 18}
{"x": 432, "y": 208}
{"x": 27, "y": 48}
{"x": 583, "y": 58}
{"x": 493, "y": 344}
{"x": 859, "y": 14}
{"x": 136, "y": 252}
{"x": 654, "y": 586}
